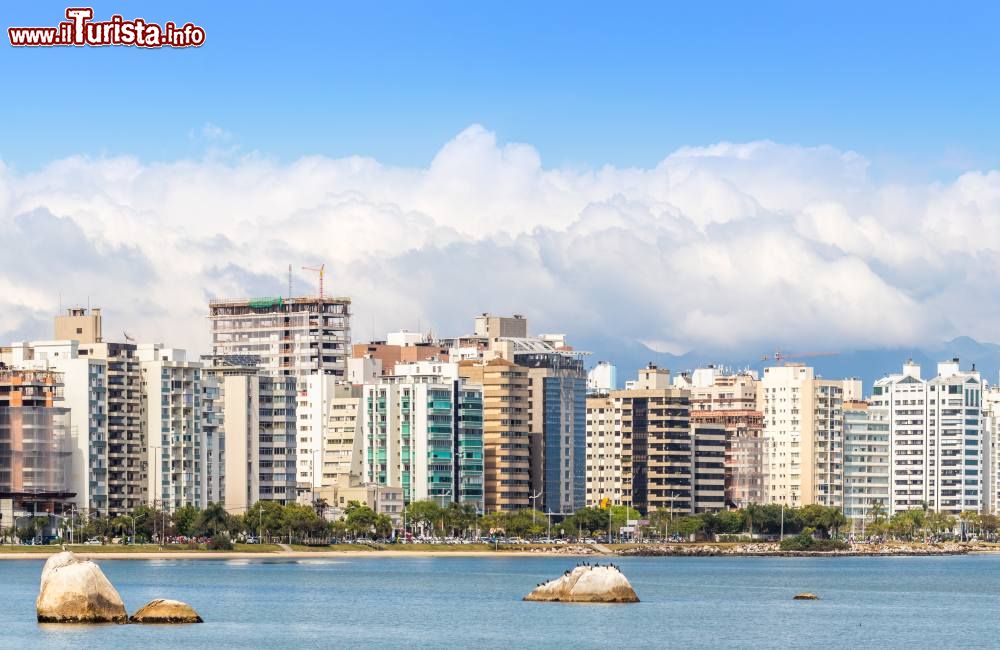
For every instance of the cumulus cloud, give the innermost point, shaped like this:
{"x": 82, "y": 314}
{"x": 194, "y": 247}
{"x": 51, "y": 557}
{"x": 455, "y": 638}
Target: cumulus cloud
{"x": 734, "y": 246}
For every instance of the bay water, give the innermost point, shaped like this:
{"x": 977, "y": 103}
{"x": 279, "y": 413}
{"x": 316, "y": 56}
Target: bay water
{"x": 470, "y": 602}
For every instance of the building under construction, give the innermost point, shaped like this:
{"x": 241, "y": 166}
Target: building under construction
{"x": 35, "y": 447}
{"x": 294, "y": 337}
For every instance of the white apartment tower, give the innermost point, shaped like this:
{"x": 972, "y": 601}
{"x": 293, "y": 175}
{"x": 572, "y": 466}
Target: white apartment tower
{"x": 936, "y": 435}
{"x": 172, "y": 415}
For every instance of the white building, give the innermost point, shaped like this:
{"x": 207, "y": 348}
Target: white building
{"x": 936, "y": 430}
{"x": 172, "y": 418}
{"x": 991, "y": 450}
{"x": 602, "y": 378}
{"x": 423, "y": 431}
{"x": 604, "y": 452}
{"x": 866, "y": 460}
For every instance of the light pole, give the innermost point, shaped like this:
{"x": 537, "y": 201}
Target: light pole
{"x": 534, "y": 507}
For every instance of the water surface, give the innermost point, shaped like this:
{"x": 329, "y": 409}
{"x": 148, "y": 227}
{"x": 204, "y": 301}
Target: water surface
{"x": 940, "y": 602}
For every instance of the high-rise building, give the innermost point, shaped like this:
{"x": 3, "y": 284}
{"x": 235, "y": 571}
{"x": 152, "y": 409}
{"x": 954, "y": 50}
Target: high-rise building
{"x": 172, "y": 416}
{"x": 804, "y": 435}
{"x": 657, "y": 446}
{"x": 936, "y": 431}
{"x": 35, "y": 446}
{"x": 604, "y": 452}
{"x": 291, "y": 336}
{"x": 399, "y": 347}
{"x": 991, "y": 450}
{"x": 342, "y": 447}
{"x": 730, "y": 400}
{"x": 506, "y": 437}
{"x": 557, "y": 394}
{"x": 866, "y": 460}
{"x": 256, "y": 425}
{"x": 708, "y": 462}
{"x": 422, "y": 431}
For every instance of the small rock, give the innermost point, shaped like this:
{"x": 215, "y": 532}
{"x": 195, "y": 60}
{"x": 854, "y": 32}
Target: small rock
{"x": 805, "y": 596}
{"x": 165, "y": 611}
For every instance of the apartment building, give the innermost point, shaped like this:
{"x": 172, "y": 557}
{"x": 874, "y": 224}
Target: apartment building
{"x": 657, "y": 448}
{"x": 866, "y": 460}
{"x": 172, "y": 418}
{"x": 991, "y": 449}
{"x": 557, "y": 394}
{"x": 422, "y": 431}
{"x": 804, "y": 435}
{"x": 342, "y": 447}
{"x": 506, "y": 433}
{"x": 936, "y": 435}
{"x": 708, "y": 466}
{"x": 729, "y": 400}
{"x": 255, "y": 423}
{"x": 603, "y": 472}
{"x": 400, "y": 347}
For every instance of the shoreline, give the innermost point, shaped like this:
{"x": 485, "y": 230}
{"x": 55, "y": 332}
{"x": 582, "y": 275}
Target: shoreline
{"x": 572, "y": 552}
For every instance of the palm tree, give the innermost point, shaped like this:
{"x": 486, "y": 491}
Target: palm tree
{"x": 213, "y": 518}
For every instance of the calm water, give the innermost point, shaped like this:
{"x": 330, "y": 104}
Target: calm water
{"x": 475, "y": 602}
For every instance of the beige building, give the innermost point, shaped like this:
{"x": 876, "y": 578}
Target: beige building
{"x": 492, "y": 327}
{"x": 506, "y": 437}
{"x": 342, "y": 444}
{"x": 79, "y": 324}
{"x": 255, "y": 416}
{"x": 657, "y": 449}
{"x": 382, "y": 499}
{"x": 604, "y": 452}
{"x": 804, "y": 435}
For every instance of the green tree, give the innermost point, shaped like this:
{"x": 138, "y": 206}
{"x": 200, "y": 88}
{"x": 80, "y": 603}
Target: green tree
{"x": 425, "y": 514}
{"x": 212, "y": 519}
{"x": 361, "y": 520}
{"x": 185, "y": 519}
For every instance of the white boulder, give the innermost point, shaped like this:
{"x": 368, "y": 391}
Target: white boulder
{"x": 587, "y": 584}
{"x": 74, "y": 591}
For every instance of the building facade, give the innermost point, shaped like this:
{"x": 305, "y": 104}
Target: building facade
{"x": 936, "y": 436}
{"x": 291, "y": 336}
{"x": 604, "y": 452}
{"x": 804, "y": 435}
{"x": 506, "y": 433}
{"x": 422, "y": 431}
{"x": 866, "y": 461}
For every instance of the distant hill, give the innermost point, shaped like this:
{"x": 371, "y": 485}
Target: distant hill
{"x": 868, "y": 365}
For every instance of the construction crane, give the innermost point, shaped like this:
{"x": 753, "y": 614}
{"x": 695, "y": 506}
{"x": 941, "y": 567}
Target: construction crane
{"x": 317, "y": 269}
{"x": 779, "y": 356}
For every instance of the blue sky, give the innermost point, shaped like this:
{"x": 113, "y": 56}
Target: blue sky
{"x": 912, "y": 86}
{"x": 723, "y": 179}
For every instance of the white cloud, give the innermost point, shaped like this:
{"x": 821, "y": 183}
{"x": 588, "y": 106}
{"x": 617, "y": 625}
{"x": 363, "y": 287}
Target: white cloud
{"x": 729, "y": 246}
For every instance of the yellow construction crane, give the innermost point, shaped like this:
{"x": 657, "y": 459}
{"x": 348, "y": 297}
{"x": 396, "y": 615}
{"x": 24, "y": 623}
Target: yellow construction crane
{"x": 317, "y": 269}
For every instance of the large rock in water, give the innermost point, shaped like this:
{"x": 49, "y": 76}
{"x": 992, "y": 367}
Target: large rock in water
{"x": 74, "y": 591}
{"x": 586, "y": 584}
{"x": 165, "y": 611}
